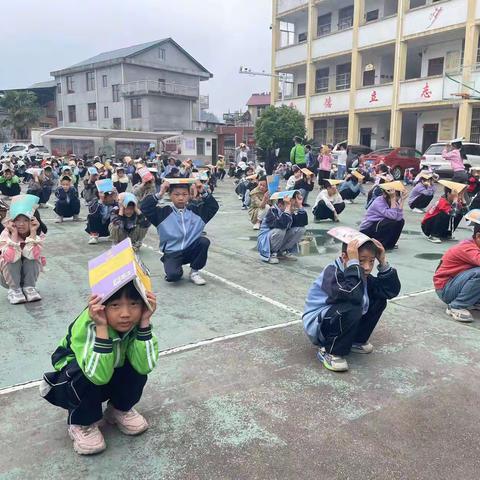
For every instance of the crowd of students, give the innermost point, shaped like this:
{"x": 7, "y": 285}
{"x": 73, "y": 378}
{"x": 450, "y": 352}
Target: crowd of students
{"x": 111, "y": 344}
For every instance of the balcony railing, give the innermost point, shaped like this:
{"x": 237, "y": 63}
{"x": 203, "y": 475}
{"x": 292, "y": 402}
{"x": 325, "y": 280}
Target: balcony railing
{"x": 145, "y": 87}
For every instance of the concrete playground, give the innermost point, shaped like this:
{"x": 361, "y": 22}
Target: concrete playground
{"x": 238, "y": 393}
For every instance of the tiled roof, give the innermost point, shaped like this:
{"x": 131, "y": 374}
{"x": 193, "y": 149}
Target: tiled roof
{"x": 258, "y": 99}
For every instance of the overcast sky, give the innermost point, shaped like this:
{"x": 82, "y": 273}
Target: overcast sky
{"x": 42, "y": 36}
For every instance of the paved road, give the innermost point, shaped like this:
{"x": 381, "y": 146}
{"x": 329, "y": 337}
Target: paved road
{"x": 238, "y": 393}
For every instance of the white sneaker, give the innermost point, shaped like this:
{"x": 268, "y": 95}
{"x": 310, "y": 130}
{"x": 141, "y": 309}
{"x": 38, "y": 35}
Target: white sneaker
{"x": 196, "y": 278}
{"x": 87, "y": 440}
{"x": 459, "y": 314}
{"x": 362, "y": 348}
{"x": 93, "y": 240}
{"x": 334, "y": 363}
{"x": 273, "y": 259}
{"x": 434, "y": 239}
{"x": 16, "y": 296}
{"x": 59, "y": 220}
{"x": 257, "y": 226}
{"x": 418, "y": 210}
{"x": 351, "y": 202}
{"x": 31, "y": 294}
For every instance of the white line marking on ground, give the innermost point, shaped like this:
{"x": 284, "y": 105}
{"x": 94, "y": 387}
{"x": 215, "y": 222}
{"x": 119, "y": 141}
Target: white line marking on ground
{"x": 202, "y": 343}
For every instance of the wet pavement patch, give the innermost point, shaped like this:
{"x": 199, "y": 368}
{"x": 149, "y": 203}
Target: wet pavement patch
{"x": 429, "y": 256}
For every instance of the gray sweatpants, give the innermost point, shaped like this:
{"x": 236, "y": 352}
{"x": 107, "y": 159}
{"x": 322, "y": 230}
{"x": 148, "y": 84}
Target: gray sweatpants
{"x": 281, "y": 240}
{"x": 119, "y": 234}
{"x": 22, "y": 273}
{"x": 462, "y": 291}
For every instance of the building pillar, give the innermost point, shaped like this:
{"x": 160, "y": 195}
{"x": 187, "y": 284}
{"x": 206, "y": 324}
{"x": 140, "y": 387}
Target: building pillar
{"x": 398, "y": 75}
{"x": 464, "y": 124}
{"x": 274, "y": 82}
{"x": 310, "y": 80}
{"x": 355, "y": 74}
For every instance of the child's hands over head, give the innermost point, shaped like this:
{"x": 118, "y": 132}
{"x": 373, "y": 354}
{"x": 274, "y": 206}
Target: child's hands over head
{"x": 381, "y": 257}
{"x": 147, "y": 313}
{"x": 96, "y": 311}
{"x": 11, "y": 227}
{"x": 352, "y": 250}
{"x": 34, "y": 224}
{"x": 164, "y": 188}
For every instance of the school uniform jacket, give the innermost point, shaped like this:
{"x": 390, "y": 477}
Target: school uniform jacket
{"x": 179, "y": 228}
{"x": 98, "y": 357}
{"x": 338, "y": 284}
{"x": 275, "y": 218}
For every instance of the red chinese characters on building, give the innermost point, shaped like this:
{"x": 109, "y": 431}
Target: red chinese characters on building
{"x": 328, "y": 102}
{"x": 373, "y": 97}
{"x": 426, "y": 92}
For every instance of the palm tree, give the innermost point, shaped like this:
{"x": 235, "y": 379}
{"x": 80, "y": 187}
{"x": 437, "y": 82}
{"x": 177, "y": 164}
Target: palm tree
{"x": 22, "y": 112}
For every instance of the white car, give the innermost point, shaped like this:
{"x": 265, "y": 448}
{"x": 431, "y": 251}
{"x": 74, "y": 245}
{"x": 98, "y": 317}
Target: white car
{"x": 432, "y": 158}
{"x": 21, "y": 150}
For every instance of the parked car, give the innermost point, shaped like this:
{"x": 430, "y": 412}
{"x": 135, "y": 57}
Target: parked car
{"x": 21, "y": 150}
{"x": 398, "y": 159}
{"x": 432, "y": 157}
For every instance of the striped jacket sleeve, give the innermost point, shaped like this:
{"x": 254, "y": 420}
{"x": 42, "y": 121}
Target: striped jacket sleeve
{"x": 142, "y": 351}
{"x": 94, "y": 355}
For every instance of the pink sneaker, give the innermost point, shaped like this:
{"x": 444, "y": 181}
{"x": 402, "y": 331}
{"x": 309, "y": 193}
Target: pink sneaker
{"x": 129, "y": 423}
{"x": 87, "y": 440}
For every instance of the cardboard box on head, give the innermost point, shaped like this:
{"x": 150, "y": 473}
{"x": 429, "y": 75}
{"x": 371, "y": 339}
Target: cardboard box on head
{"x": 112, "y": 270}
{"x": 398, "y": 186}
{"x": 307, "y": 172}
{"x": 333, "y": 182}
{"x": 358, "y": 175}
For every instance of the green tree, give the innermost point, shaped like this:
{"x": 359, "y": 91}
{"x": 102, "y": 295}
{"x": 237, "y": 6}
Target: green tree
{"x": 22, "y": 112}
{"x": 276, "y": 128}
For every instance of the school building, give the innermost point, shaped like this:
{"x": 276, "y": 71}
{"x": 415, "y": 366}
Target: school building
{"x": 379, "y": 72}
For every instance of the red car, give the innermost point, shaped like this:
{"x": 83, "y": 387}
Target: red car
{"x": 398, "y": 159}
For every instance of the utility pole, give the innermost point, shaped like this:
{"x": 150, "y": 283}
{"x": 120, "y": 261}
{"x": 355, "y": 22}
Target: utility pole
{"x": 281, "y": 76}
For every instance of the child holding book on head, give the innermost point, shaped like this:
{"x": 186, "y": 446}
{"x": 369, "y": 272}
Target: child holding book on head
{"x": 351, "y": 188}
{"x": 329, "y": 203}
{"x": 346, "y": 301}
{"x": 67, "y": 204}
{"x": 90, "y": 191}
{"x": 422, "y": 193}
{"x": 180, "y": 226}
{"x": 99, "y": 211}
{"x": 282, "y": 228}
{"x": 21, "y": 244}
{"x": 259, "y": 202}
{"x": 443, "y": 218}
{"x": 107, "y": 354}
{"x": 126, "y": 220}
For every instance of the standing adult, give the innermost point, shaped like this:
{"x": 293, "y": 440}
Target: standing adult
{"x": 453, "y": 154}
{"x": 297, "y": 153}
{"x": 242, "y": 153}
{"x": 324, "y": 164}
{"x": 341, "y": 162}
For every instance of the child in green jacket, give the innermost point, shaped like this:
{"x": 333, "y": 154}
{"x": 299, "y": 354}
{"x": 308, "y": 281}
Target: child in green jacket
{"x": 9, "y": 182}
{"x": 106, "y": 355}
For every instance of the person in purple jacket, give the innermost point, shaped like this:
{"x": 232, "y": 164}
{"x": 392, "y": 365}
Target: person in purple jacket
{"x": 422, "y": 194}
{"x": 384, "y": 220}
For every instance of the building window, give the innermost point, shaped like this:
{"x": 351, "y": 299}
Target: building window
{"x": 70, "y": 84}
{"x": 200, "y": 146}
{"x": 340, "y": 130}
{"x": 324, "y": 24}
{"x": 302, "y": 37}
{"x": 371, "y": 16}
{"x": 345, "y": 17}
{"x": 72, "y": 114}
{"x": 105, "y": 112}
{"x": 60, "y": 115}
{"x": 342, "y": 81}
{"x": 90, "y": 81}
{"x": 59, "y": 88}
{"x": 369, "y": 78}
{"x": 161, "y": 84}
{"x": 117, "y": 123}
{"x": 435, "y": 66}
{"x": 321, "y": 80}
{"x": 301, "y": 89}
{"x": 92, "y": 112}
{"x": 320, "y": 131}
{"x": 286, "y": 82}
{"x": 136, "y": 107}
{"x": 104, "y": 81}
{"x": 162, "y": 54}
{"x": 287, "y": 34}
{"x": 116, "y": 93}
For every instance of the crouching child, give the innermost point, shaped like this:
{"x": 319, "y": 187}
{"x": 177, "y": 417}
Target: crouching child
{"x": 180, "y": 226}
{"x": 106, "y": 355}
{"x": 282, "y": 227}
{"x": 346, "y": 301}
